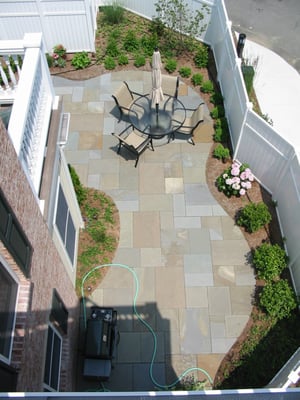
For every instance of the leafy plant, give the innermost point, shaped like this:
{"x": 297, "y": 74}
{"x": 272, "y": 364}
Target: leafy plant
{"x": 80, "y": 191}
{"x": 221, "y": 152}
{"x": 269, "y": 261}
{"x": 149, "y": 43}
{"x": 139, "y": 61}
{"x": 157, "y": 27}
{"x": 218, "y": 112}
{"x": 60, "y": 50}
{"x": 189, "y": 382}
{"x": 201, "y": 56}
{"x": 197, "y": 79}
{"x": 278, "y": 299}
{"x": 248, "y": 74}
{"x": 109, "y": 63}
{"x": 207, "y": 87}
{"x": 112, "y": 48}
{"x": 221, "y": 130}
{"x": 131, "y": 43}
{"x": 81, "y": 60}
{"x": 123, "y": 59}
{"x": 50, "y": 60}
{"x": 171, "y": 65}
{"x": 254, "y": 216}
{"x": 60, "y": 62}
{"x": 235, "y": 180}
{"x": 113, "y": 14}
{"x": 216, "y": 98}
{"x": 267, "y": 119}
{"x": 185, "y": 72}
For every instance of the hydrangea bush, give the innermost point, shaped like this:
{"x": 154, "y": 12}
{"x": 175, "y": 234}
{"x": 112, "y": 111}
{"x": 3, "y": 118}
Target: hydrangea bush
{"x": 235, "y": 180}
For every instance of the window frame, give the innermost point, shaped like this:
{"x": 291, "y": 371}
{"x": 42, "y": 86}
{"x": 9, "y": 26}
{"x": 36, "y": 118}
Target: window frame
{"x": 13, "y": 277}
{"x": 12, "y": 227}
{"x": 69, "y": 225}
{"x": 55, "y": 334}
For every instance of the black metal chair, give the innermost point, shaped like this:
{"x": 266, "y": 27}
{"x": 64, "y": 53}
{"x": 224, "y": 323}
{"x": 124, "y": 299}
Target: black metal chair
{"x": 134, "y": 141}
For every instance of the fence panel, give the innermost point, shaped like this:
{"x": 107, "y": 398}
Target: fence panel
{"x": 71, "y": 23}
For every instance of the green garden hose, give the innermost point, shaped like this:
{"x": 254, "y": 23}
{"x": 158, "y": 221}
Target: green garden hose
{"x": 186, "y": 372}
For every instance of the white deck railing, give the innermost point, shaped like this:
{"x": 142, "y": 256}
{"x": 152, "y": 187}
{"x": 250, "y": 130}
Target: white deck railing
{"x": 31, "y": 93}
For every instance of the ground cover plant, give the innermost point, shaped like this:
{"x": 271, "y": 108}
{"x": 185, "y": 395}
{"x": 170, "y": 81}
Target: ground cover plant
{"x": 245, "y": 364}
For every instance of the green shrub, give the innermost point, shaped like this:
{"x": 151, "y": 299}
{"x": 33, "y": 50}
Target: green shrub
{"x": 122, "y": 59}
{"x": 113, "y": 14}
{"x": 131, "y": 43}
{"x": 221, "y": 134}
{"x": 221, "y": 152}
{"x": 50, "y": 60}
{"x": 81, "y": 192}
{"x": 149, "y": 43}
{"x": 218, "y": 112}
{"x": 278, "y": 299}
{"x": 81, "y": 60}
{"x": 109, "y": 63}
{"x": 216, "y": 98}
{"x": 197, "y": 79}
{"x": 207, "y": 87}
{"x": 60, "y": 50}
{"x": 248, "y": 74}
{"x": 269, "y": 261}
{"x": 60, "y": 62}
{"x": 185, "y": 72}
{"x": 254, "y": 216}
{"x": 171, "y": 65}
{"x": 201, "y": 57}
{"x": 139, "y": 61}
{"x": 112, "y": 48}
{"x": 157, "y": 27}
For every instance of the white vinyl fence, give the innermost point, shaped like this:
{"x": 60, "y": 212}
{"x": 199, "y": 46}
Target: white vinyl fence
{"x": 273, "y": 160}
{"x": 71, "y": 23}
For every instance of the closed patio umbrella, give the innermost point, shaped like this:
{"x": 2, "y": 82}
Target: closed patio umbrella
{"x": 157, "y": 93}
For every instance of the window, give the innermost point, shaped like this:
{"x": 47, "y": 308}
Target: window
{"x": 59, "y": 312}
{"x": 53, "y": 359}
{"x": 65, "y": 224}
{"x": 8, "y": 299}
{"x": 13, "y": 237}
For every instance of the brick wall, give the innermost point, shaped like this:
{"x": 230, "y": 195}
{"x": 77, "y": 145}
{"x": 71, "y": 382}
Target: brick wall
{"x": 47, "y": 272}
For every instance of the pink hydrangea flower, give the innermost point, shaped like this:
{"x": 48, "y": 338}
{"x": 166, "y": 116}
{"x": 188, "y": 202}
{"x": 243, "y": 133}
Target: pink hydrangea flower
{"x": 242, "y": 192}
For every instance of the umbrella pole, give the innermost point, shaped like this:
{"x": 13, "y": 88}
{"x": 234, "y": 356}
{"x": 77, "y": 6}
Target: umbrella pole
{"x": 156, "y": 107}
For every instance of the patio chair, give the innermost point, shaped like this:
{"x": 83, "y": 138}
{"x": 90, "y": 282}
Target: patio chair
{"x": 134, "y": 141}
{"x": 170, "y": 85}
{"x": 191, "y": 123}
{"x": 124, "y": 97}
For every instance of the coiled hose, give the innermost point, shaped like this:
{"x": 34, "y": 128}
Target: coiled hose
{"x": 140, "y": 318}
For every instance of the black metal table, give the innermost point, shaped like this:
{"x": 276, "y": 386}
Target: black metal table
{"x": 157, "y": 120}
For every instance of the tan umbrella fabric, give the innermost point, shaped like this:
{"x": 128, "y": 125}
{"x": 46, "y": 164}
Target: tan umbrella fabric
{"x": 157, "y": 93}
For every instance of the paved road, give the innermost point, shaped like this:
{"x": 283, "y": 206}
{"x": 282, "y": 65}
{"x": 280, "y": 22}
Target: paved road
{"x": 274, "y": 24}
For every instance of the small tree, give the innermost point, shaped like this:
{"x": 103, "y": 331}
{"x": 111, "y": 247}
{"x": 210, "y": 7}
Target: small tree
{"x": 183, "y": 23}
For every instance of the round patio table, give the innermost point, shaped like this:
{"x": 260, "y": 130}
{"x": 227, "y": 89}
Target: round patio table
{"x": 157, "y": 120}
